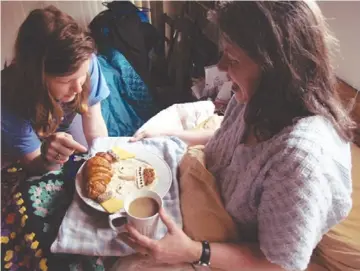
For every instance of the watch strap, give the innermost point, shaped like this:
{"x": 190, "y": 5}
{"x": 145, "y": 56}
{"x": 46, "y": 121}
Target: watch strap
{"x": 205, "y": 254}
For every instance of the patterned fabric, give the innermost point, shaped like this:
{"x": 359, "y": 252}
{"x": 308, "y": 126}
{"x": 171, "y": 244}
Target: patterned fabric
{"x": 285, "y": 192}
{"x": 31, "y": 216}
{"x": 130, "y": 104}
{"x": 86, "y": 231}
{"x": 11, "y": 176}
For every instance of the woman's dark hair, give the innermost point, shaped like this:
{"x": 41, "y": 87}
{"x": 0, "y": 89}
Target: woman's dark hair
{"x": 49, "y": 42}
{"x": 291, "y": 44}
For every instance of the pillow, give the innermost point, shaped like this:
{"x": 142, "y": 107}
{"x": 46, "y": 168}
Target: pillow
{"x": 209, "y": 220}
{"x": 211, "y": 123}
{"x": 339, "y": 249}
{"x": 182, "y": 116}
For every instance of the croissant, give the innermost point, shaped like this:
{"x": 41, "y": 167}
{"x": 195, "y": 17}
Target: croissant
{"x": 95, "y": 189}
{"x": 98, "y": 173}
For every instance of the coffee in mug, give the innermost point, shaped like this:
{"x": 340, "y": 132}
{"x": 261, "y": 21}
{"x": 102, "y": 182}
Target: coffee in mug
{"x": 141, "y": 210}
{"x": 143, "y": 207}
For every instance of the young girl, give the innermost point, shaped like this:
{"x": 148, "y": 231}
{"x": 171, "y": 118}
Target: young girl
{"x": 54, "y": 79}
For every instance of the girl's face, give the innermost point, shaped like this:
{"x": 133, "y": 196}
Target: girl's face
{"x": 65, "y": 88}
{"x": 242, "y": 70}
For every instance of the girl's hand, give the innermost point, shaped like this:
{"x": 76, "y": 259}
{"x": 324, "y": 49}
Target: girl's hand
{"x": 57, "y": 148}
{"x": 175, "y": 247}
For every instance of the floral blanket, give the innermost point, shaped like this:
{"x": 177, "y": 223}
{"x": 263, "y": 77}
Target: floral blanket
{"x": 32, "y": 211}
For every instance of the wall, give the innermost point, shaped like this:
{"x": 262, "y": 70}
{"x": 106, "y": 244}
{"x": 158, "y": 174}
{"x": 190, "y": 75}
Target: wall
{"x": 343, "y": 18}
{"x": 13, "y": 13}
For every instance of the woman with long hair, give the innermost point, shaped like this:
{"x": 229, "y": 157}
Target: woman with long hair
{"x": 54, "y": 79}
{"x": 281, "y": 157}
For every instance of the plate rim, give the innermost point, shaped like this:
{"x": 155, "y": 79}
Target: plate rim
{"x": 79, "y": 184}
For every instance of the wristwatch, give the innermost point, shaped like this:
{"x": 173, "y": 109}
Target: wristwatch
{"x": 205, "y": 255}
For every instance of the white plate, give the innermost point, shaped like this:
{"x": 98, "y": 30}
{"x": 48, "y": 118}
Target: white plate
{"x": 163, "y": 173}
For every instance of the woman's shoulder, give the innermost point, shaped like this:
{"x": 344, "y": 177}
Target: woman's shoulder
{"x": 309, "y": 132}
{"x": 316, "y": 133}
{"x": 310, "y": 169}
{"x": 99, "y": 89}
{"x": 312, "y": 144}
{"x": 93, "y": 62}
{"x": 11, "y": 120}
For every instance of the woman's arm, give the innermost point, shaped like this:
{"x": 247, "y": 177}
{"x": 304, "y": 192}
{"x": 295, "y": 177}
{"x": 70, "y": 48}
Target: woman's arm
{"x": 20, "y": 142}
{"x": 177, "y": 247}
{"x": 239, "y": 257}
{"x": 93, "y": 124}
{"x": 54, "y": 152}
{"x": 190, "y": 137}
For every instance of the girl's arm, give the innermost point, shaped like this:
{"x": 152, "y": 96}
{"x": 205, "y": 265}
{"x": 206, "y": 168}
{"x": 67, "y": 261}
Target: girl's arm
{"x": 93, "y": 124}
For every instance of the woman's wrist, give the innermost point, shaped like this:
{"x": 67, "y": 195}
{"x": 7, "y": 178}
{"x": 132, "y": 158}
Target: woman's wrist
{"x": 194, "y": 251}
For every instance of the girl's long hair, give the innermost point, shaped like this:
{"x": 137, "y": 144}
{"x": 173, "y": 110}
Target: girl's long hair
{"x": 49, "y": 42}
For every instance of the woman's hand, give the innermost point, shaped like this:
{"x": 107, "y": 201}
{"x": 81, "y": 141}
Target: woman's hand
{"x": 57, "y": 148}
{"x": 190, "y": 137}
{"x": 175, "y": 247}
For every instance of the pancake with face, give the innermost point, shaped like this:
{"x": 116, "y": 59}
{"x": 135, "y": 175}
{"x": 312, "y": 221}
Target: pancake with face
{"x": 131, "y": 175}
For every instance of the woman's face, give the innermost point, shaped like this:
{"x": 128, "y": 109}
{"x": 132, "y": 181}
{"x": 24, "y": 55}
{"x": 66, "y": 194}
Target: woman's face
{"x": 242, "y": 70}
{"x": 65, "y": 88}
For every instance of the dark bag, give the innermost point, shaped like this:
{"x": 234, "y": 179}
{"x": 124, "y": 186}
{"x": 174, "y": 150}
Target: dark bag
{"x": 121, "y": 27}
{"x": 190, "y": 51}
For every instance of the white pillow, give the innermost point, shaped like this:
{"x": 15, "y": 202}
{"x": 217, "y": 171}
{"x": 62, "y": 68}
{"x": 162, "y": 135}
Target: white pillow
{"x": 183, "y": 116}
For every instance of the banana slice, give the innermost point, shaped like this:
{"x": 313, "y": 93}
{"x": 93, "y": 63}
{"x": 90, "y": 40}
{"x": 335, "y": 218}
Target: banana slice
{"x": 122, "y": 154}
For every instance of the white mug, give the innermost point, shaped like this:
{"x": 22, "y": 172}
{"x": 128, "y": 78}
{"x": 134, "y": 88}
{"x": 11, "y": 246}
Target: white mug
{"x": 146, "y": 226}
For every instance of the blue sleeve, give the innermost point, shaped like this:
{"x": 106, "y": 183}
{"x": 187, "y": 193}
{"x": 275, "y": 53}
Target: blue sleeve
{"x": 99, "y": 88}
{"x": 17, "y": 135}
